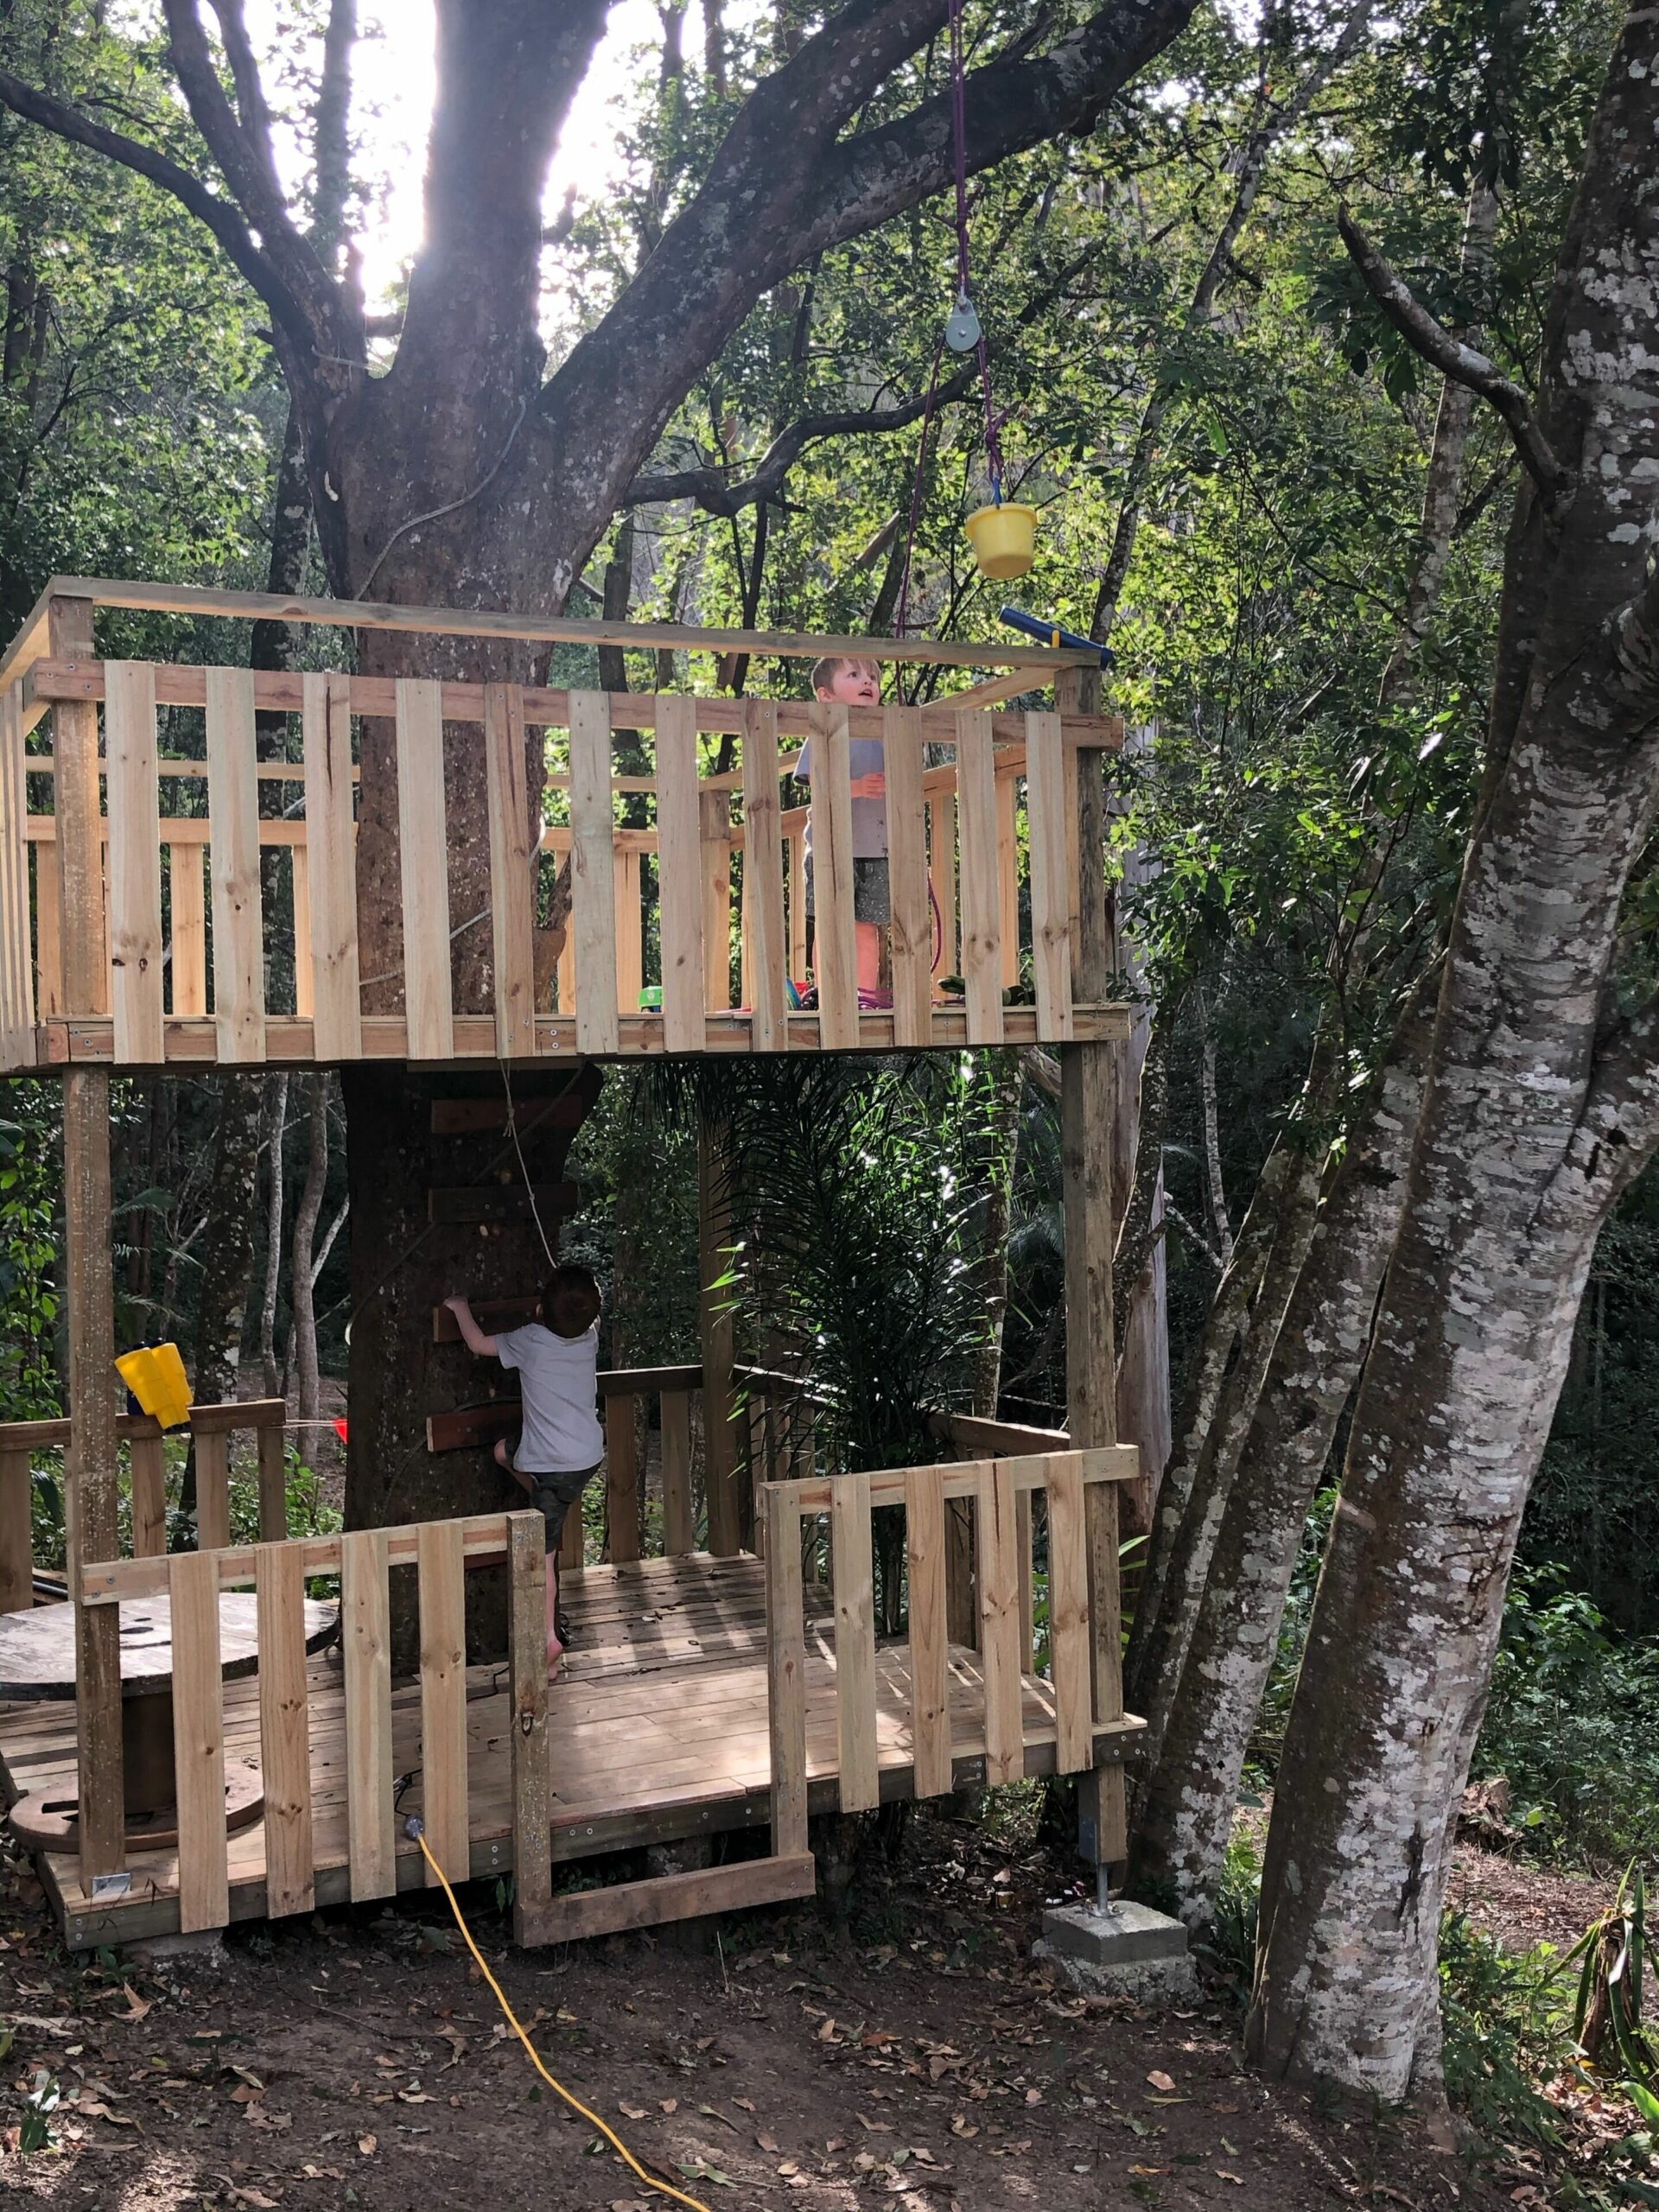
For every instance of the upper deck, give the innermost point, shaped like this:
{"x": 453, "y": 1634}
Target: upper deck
{"x": 179, "y": 886}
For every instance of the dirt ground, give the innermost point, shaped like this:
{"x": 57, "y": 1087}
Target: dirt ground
{"x": 356, "y": 2058}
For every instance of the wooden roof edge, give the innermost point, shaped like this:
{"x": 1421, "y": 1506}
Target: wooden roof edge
{"x": 370, "y": 614}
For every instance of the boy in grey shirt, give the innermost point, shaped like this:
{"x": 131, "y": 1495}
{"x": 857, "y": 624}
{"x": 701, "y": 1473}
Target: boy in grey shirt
{"x": 559, "y": 1448}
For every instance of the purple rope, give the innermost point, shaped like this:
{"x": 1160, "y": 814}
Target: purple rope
{"x": 916, "y": 487}
{"x": 959, "y": 132}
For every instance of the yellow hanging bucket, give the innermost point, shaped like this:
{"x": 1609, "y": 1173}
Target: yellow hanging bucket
{"x": 1004, "y": 539}
{"x": 156, "y": 1376}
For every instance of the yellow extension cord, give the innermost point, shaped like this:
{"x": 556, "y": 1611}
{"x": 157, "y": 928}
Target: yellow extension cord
{"x": 664, "y": 2188}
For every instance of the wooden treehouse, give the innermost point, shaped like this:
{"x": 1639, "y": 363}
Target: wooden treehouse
{"x": 190, "y": 1738}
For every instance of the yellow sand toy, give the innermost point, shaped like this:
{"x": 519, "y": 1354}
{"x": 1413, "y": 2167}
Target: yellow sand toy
{"x": 155, "y": 1375}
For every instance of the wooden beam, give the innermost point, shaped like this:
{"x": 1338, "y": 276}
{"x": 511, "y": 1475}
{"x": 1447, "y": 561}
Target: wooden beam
{"x": 1088, "y": 1104}
{"x": 456, "y": 622}
{"x": 584, "y": 1913}
{"x": 90, "y": 1530}
{"x": 466, "y": 1117}
{"x": 479, "y": 1202}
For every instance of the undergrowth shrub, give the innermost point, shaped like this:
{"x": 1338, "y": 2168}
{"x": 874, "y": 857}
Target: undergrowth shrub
{"x": 1570, "y": 1724}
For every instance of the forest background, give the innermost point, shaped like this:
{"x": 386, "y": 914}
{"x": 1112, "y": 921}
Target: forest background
{"x": 1229, "y": 448}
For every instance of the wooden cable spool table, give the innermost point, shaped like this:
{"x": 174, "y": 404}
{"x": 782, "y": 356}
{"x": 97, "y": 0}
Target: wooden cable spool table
{"x": 37, "y": 1661}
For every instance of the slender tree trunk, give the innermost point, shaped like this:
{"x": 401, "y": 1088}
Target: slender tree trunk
{"x": 1541, "y": 1105}
{"x": 1161, "y": 1654}
{"x": 302, "y": 1328}
{"x": 1001, "y": 1143}
{"x": 1220, "y": 1227}
{"x": 1187, "y": 1805}
{"x": 227, "y": 1254}
{"x": 277, "y": 1105}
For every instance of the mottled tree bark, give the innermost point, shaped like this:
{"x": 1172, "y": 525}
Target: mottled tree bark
{"x": 1001, "y": 1139}
{"x": 1541, "y": 1105}
{"x": 278, "y": 1120}
{"x": 1187, "y": 1804}
{"x": 302, "y": 1327}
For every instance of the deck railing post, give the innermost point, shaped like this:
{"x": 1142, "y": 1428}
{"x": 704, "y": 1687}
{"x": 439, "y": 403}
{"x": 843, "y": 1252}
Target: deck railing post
{"x": 532, "y": 1862}
{"x": 780, "y": 1512}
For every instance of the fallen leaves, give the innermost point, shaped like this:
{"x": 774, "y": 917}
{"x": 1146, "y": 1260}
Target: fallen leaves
{"x": 1158, "y": 2081}
{"x": 368, "y": 2144}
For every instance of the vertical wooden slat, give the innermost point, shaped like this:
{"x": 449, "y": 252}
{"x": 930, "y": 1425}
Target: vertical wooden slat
{"x": 148, "y": 1467}
{"x": 981, "y": 960}
{"x": 621, "y": 1479}
{"x": 48, "y": 929}
{"x": 331, "y": 870}
{"x": 425, "y": 855}
{"x": 1008, "y": 875}
{"x": 273, "y": 1485}
{"x": 765, "y": 945}
{"x": 187, "y": 891}
{"x": 785, "y": 1667}
{"x": 135, "y": 860}
{"x": 16, "y": 1537}
{"x": 592, "y": 872}
{"x": 913, "y": 919}
{"x": 1051, "y": 932}
{"x": 365, "y": 1629}
{"x": 532, "y": 1869}
{"x": 441, "y": 1569}
{"x": 797, "y": 907}
{"x": 942, "y": 873}
{"x": 930, "y": 1651}
{"x": 233, "y": 866}
{"x": 213, "y": 1491}
{"x": 514, "y": 847}
{"x": 1068, "y": 1615}
{"x": 999, "y": 1624}
{"x": 198, "y": 1742}
{"x": 299, "y": 892}
{"x": 630, "y": 934}
{"x": 79, "y": 822}
{"x": 855, "y": 1574}
{"x": 573, "y": 1540}
{"x": 715, "y": 833}
{"x": 835, "y": 929}
{"x": 565, "y": 975}
{"x": 285, "y": 1731}
{"x": 679, "y": 885}
{"x": 679, "y": 1528}
{"x": 16, "y": 962}
{"x": 1023, "y": 1559}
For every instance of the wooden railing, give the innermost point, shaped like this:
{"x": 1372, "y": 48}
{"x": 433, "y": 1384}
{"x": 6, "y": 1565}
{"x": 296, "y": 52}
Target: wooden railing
{"x": 211, "y": 1426}
{"x": 1083, "y": 1657}
{"x": 441, "y": 1553}
{"x": 704, "y": 899}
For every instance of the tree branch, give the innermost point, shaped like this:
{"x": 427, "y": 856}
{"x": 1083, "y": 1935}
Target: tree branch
{"x": 253, "y": 112}
{"x": 249, "y": 171}
{"x": 712, "y": 491}
{"x": 1461, "y": 363}
{"x": 221, "y": 218}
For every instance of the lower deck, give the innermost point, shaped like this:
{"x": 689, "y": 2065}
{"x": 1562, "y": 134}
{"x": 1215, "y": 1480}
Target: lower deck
{"x": 658, "y": 1730}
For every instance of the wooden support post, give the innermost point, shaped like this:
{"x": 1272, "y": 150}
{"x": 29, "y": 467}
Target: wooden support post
{"x": 17, "y": 1541}
{"x": 715, "y": 1333}
{"x": 621, "y": 1477}
{"x": 273, "y": 1484}
{"x": 1088, "y": 1099}
{"x": 89, "y": 1487}
{"x": 785, "y": 1667}
{"x": 532, "y": 1857}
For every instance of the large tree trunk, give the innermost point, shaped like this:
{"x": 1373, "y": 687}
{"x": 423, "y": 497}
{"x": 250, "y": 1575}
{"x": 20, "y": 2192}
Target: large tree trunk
{"x": 1543, "y": 1104}
{"x": 302, "y": 1304}
{"x": 1188, "y": 1800}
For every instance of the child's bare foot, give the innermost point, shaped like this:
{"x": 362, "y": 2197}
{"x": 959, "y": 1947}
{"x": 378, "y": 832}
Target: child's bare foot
{"x": 554, "y": 1657}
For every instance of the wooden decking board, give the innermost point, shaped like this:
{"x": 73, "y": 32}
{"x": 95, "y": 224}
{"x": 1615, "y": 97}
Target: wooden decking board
{"x": 631, "y": 1759}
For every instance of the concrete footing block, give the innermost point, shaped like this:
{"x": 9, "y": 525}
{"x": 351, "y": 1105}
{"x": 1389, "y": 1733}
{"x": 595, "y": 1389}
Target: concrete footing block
{"x": 1129, "y": 1951}
{"x": 202, "y": 1947}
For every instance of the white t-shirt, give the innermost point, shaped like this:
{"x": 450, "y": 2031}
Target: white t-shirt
{"x": 559, "y": 1385}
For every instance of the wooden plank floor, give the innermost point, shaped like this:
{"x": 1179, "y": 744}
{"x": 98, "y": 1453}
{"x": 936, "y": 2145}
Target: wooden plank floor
{"x": 658, "y": 1729}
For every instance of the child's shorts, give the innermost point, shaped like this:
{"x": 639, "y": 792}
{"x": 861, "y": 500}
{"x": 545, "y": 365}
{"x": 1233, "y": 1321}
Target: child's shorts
{"x": 872, "y": 901}
{"x": 554, "y": 1494}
